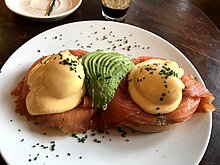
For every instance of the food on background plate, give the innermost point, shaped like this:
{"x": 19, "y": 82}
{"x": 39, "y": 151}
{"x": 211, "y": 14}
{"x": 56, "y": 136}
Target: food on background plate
{"x": 75, "y": 90}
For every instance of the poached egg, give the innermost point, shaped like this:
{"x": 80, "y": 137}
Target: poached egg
{"x": 56, "y": 84}
{"x": 156, "y": 86}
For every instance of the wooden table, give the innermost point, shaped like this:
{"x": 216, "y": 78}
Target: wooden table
{"x": 178, "y": 21}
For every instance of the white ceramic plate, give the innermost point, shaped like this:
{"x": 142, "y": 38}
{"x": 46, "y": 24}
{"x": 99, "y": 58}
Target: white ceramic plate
{"x": 37, "y": 9}
{"x": 21, "y": 141}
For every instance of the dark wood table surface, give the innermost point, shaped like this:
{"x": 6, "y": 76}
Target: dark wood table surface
{"x": 178, "y": 21}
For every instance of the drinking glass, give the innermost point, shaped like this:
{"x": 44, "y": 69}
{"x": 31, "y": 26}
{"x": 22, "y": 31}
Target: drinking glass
{"x": 115, "y": 10}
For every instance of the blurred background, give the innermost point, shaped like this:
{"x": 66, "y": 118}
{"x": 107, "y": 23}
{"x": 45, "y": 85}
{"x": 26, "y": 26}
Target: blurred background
{"x": 211, "y": 8}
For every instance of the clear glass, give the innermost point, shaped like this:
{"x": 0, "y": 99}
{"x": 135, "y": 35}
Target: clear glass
{"x": 115, "y": 10}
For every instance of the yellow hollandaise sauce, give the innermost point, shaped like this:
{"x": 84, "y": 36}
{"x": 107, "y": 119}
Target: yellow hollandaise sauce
{"x": 56, "y": 84}
{"x": 156, "y": 86}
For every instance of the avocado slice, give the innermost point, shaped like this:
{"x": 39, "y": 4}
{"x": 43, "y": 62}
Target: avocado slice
{"x": 104, "y": 72}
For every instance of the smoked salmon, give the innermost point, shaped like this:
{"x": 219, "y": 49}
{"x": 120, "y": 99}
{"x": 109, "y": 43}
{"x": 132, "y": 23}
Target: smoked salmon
{"x": 123, "y": 111}
{"x": 72, "y": 121}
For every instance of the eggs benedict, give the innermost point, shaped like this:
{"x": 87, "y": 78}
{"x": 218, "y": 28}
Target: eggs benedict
{"x": 56, "y": 85}
{"x": 155, "y": 96}
{"x": 155, "y": 85}
{"x": 147, "y": 94}
{"x": 53, "y": 93}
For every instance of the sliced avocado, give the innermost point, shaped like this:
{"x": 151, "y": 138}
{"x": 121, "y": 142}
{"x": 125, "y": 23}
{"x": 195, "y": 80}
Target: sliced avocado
{"x": 104, "y": 72}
